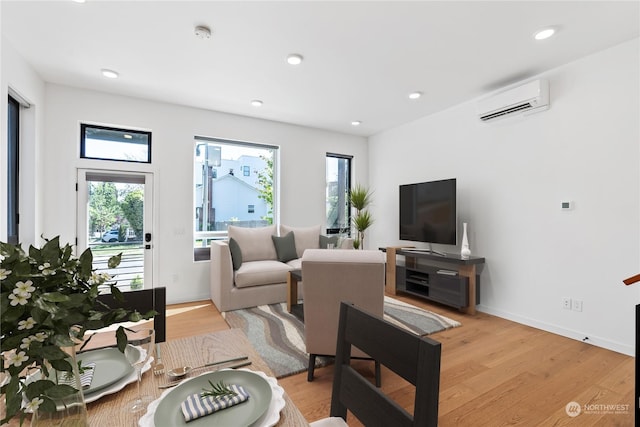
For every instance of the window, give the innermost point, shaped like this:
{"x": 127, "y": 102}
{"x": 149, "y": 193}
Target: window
{"x": 105, "y": 143}
{"x": 222, "y": 197}
{"x": 338, "y": 176}
{"x": 13, "y": 144}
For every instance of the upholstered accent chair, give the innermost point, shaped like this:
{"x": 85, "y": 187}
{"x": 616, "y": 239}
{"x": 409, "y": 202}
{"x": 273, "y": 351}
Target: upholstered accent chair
{"x": 333, "y": 276}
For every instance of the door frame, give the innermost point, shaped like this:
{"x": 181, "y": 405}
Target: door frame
{"x": 150, "y": 266}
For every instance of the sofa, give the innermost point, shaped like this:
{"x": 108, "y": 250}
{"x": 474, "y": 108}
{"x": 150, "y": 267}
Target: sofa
{"x": 250, "y": 267}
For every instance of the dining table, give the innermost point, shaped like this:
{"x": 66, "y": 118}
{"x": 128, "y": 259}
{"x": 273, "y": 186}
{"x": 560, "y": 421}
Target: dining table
{"x": 110, "y": 410}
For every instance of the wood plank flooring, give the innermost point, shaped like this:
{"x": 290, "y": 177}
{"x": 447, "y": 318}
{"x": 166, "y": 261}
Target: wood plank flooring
{"x": 494, "y": 373}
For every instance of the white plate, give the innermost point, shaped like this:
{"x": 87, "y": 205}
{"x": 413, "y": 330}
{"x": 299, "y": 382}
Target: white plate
{"x": 270, "y": 417}
{"x": 113, "y": 388}
{"x": 111, "y": 367}
{"x": 119, "y": 385}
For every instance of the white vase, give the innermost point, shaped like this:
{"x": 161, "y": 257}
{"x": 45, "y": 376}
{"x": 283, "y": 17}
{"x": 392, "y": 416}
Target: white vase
{"x": 465, "y": 251}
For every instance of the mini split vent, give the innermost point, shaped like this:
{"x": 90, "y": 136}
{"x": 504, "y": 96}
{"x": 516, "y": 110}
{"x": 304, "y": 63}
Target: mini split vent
{"x": 529, "y": 98}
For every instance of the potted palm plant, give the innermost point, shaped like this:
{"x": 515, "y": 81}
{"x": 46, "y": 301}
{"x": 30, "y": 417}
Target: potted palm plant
{"x": 48, "y": 299}
{"x": 360, "y": 198}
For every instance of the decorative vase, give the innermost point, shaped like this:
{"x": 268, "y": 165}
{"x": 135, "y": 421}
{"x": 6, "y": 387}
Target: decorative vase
{"x": 465, "y": 251}
{"x": 71, "y": 410}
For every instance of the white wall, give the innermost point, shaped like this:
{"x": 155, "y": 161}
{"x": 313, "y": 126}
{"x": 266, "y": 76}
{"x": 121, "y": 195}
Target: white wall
{"x": 302, "y": 171}
{"x": 512, "y": 177}
{"x": 23, "y": 80}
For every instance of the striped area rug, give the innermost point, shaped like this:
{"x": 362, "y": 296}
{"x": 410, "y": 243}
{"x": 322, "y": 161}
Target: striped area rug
{"x": 278, "y": 336}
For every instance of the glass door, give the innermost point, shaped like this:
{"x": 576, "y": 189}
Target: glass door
{"x": 115, "y": 216}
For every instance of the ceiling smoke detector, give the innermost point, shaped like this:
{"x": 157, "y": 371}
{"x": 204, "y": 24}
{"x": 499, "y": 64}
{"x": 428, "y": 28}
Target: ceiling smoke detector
{"x": 203, "y": 32}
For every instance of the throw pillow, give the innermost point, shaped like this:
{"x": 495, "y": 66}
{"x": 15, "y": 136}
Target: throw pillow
{"x": 305, "y": 237}
{"x": 236, "y": 254}
{"x": 326, "y": 240}
{"x": 255, "y": 243}
{"x": 285, "y": 247}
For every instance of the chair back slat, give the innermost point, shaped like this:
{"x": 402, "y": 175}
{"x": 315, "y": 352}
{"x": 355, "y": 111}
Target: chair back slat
{"x": 144, "y": 301}
{"x": 402, "y": 357}
{"x": 357, "y": 394}
{"x": 414, "y": 358}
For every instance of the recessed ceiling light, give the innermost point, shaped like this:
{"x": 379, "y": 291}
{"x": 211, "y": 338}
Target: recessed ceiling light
{"x": 110, "y": 74}
{"x": 256, "y": 103}
{"x": 79, "y": 1}
{"x": 356, "y": 123}
{"x": 545, "y": 33}
{"x": 295, "y": 59}
{"x": 415, "y": 95}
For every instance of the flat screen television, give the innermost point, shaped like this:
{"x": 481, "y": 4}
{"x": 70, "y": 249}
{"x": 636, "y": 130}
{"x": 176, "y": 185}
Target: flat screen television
{"x": 428, "y": 212}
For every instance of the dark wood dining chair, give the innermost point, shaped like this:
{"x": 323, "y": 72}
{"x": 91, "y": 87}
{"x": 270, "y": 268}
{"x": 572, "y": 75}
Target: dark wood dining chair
{"x": 144, "y": 301}
{"x": 414, "y": 358}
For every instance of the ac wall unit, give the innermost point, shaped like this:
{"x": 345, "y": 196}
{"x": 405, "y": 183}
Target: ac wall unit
{"x": 529, "y": 98}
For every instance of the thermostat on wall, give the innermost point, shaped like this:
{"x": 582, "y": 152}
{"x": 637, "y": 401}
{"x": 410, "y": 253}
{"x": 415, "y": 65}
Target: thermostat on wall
{"x": 566, "y": 205}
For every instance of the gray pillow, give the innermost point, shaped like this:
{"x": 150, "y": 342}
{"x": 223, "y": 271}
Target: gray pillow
{"x": 326, "y": 240}
{"x": 285, "y": 247}
{"x": 236, "y": 254}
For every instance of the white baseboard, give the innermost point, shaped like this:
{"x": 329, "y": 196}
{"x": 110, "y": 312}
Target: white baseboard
{"x": 569, "y": 333}
{"x": 190, "y": 299}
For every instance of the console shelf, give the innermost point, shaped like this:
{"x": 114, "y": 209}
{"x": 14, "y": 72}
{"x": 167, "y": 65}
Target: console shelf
{"x": 444, "y": 278}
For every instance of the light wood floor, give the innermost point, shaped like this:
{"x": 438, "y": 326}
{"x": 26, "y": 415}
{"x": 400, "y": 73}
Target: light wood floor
{"x": 494, "y": 372}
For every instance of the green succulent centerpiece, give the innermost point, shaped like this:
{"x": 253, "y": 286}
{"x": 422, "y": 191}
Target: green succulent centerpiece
{"x": 48, "y": 300}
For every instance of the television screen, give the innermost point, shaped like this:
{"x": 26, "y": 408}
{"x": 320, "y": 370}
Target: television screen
{"x": 428, "y": 212}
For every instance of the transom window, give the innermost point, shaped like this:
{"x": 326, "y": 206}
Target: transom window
{"x": 105, "y": 143}
{"x": 234, "y": 184}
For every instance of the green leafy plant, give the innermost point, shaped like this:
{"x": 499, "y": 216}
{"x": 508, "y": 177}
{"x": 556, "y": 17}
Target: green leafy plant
{"x": 136, "y": 283}
{"x": 48, "y": 300}
{"x": 133, "y": 210}
{"x": 81, "y": 370}
{"x": 265, "y": 186}
{"x": 217, "y": 390}
{"x": 360, "y": 199}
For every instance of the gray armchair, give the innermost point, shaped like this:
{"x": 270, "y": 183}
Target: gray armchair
{"x": 333, "y": 276}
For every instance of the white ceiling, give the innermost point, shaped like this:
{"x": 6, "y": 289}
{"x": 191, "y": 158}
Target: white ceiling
{"x": 362, "y": 59}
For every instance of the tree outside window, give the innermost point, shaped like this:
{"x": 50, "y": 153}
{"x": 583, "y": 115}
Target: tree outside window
{"x": 234, "y": 185}
{"x": 116, "y": 206}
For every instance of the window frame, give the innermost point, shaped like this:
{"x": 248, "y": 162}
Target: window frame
{"x": 202, "y": 253}
{"x": 13, "y": 170}
{"x": 349, "y": 159}
{"x": 83, "y": 137}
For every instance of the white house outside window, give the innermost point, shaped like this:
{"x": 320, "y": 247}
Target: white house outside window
{"x": 224, "y": 197}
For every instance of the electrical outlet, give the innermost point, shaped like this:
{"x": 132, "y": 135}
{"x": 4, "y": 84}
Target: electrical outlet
{"x": 566, "y": 303}
{"x": 577, "y": 305}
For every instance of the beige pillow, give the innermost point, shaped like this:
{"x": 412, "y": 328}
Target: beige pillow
{"x": 255, "y": 243}
{"x": 305, "y": 237}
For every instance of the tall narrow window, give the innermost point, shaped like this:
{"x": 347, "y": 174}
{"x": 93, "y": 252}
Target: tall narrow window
{"x": 225, "y": 191}
{"x": 13, "y": 144}
{"x": 338, "y": 176}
